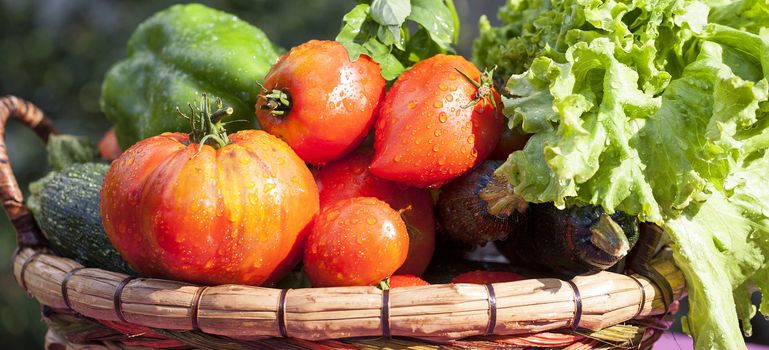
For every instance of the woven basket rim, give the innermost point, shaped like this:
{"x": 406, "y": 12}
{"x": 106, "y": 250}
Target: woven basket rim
{"x": 464, "y": 310}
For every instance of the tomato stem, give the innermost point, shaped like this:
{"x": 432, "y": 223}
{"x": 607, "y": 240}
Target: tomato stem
{"x": 485, "y": 87}
{"x": 207, "y": 128}
{"x": 278, "y": 102}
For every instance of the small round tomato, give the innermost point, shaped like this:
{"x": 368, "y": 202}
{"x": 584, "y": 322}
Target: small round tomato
{"x": 407, "y": 281}
{"x": 320, "y": 102}
{"x": 510, "y": 141}
{"x": 349, "y": 177}
{"x": 355, "y": 242}
{"x": 440, "y": 119}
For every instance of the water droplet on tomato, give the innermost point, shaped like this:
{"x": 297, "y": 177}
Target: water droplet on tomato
{"x": 418, "y": 141}
{"x": 470, "y": 139}
{"x": 412, "y": 105}
{"x": 437, "y": 104}
{"x": 253, "y": 199}
{"x": 453, "y": 87}
{"x": 437, "y": 132}
{"x": 244, "y": 160}
{"x": 449, "y": 98}
{"x": 442, "y": 117}
{"x": 442, "y": 87}
{"x": 269, "y": 187}
{"x": 371, "y": 220}
{"x": 435, "y": 148}
{"x": 397, "y": 158}
{"x": 332, "y": 215}
{"x": 441, "y": 161}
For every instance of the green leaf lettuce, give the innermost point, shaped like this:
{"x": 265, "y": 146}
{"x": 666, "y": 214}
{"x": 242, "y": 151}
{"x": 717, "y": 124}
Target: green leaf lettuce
{"x": 658, "y": 109}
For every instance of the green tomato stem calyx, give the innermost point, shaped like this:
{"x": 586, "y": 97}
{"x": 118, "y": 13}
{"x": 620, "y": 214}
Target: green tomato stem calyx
{"x": 207, "y": 128}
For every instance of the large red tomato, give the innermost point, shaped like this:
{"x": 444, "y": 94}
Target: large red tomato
{"x": 427, "y": 132}
{"x": 355, "y": 242}
{"x": 320, "y": 102}
{"x": 236, "y": 214}
{"x": 349, "y": 177}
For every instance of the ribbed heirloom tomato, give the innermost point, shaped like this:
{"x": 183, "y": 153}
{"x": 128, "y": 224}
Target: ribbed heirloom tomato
{"x": 238, "y": 213}
{"x": 429, "y": 131}
{"x": 349, "y": 177}
{"x": 320, "y": 102}
{"x": 355, "y": 242}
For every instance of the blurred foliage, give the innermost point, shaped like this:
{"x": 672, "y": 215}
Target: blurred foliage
{"x": 55, "y": 53}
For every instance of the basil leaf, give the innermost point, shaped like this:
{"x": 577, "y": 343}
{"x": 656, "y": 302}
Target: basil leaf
{"x": 437, "y": 19}
{"x": 390, "y": 65}
{"x": 378, "y": 29}
{"x": 390, "y": 12}
{"x": 353, "y": 23}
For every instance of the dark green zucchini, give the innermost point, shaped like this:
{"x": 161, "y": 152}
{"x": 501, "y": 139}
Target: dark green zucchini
{"x": 66, "y": 207}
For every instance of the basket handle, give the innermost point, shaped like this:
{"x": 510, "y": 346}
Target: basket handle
{"x": 27, "y": 232}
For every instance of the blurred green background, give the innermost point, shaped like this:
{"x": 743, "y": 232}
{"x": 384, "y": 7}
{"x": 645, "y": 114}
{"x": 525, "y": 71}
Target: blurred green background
{"x": 54, "y": 53}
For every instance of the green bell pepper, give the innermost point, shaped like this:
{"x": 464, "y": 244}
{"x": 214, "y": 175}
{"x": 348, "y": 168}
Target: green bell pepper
{"x": 174, "y": 57}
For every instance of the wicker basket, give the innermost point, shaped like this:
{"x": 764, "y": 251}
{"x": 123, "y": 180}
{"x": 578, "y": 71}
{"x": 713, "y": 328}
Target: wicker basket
{"x": 92, "y": 308}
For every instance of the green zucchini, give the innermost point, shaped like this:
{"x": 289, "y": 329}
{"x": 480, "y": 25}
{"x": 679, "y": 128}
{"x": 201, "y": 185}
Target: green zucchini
{"x": 66, "y": 206}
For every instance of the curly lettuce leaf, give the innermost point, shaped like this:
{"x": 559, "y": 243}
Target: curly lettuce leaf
{"x": 658, "y": 109}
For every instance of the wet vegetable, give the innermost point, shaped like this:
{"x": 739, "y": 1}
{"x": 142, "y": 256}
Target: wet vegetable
{"x": 406, "y": 281}
{"x": 66, "y": 207}
{"x": 572, "y": 241}
{"x": 176, "y": 55}
{"x": 437, "y": 122}
{"x": 319, "y": 102}
{"x": 349, "y": 177}
{"x": 355, "y": 242}
{"x": 208, "y": 207}
{"x": 477, "y": 208}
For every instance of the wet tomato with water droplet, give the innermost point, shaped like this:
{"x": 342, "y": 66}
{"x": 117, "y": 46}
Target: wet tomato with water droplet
{"x": 349, "y": 177}
{"x": 320, "y": 102}
{"x": 355, "y": 242}
{"x": 226, "y": 215}
{"x": 431, "y": 101}
{"x": 398, "y": 281}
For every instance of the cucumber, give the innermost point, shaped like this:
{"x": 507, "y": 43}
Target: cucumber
{"x": 66, "y": 207}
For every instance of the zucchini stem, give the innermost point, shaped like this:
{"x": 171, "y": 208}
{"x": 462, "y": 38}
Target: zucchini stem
{"x": 501, "y": 199}
{"x": 608, "y": 236}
